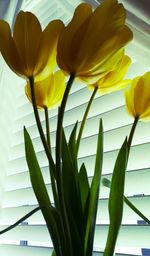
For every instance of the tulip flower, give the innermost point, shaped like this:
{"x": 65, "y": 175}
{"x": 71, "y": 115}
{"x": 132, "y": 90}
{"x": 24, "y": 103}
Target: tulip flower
{"x": 138, "y": 97}
{"x": 49, "y": 91}
{"x": 29, "y": 49}
{"x": 92, "y": 44}
{"x": 113, "y": 80}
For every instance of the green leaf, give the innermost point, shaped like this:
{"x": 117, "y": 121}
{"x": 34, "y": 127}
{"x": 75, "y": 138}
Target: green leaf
{"x": 85, "y": 194}
{"x": 116, "y": 199}
{"x": 136, "y": 210}
{"x": 94, "y": 195}
{"x": 72, "y": 197}
{"x": 53, "y": 253}
{"x": 84, "y": 186}
{"x": 40, "y": 191}
{"x": 69, "y": 174}
{"x": 72, "y": 140}
{"x": 107, "y": 183}
{"x": 72, "y": 147}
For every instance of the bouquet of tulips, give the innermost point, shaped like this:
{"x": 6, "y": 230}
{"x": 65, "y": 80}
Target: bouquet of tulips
{"x": 91, "y": 49}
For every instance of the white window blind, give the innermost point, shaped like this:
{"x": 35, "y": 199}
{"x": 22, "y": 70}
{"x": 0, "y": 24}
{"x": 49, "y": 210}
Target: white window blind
{"x": 32, "y": 238}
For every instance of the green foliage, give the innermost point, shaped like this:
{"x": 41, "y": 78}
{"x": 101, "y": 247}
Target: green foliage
{"x": 107, "y": 183}
{"x": 41, "y": 192}
{"x": 116, "y": 198}
{"x": 81, "y": 200}
{"x": 72, "y": 193}
{"x": 94, "y": 195}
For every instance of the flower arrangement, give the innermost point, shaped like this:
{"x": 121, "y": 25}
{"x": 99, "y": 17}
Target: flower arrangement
{"x": 90, "y": 48}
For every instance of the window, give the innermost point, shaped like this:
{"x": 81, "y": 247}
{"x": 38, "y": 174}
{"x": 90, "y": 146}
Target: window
{"x": 31, "y": 237}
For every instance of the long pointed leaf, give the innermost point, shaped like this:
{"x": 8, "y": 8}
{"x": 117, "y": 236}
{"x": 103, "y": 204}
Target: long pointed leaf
{"x": 72, "y": 140}
{"x": 116, "y": 199}
{"x": 72, "y": 196}
{"x": 94, "y": 194}
{"x": 85, "y": 194}
{"x": 84, "y": 186}
{"x": 40, "y": 191}
{"x": 107, "y": 183}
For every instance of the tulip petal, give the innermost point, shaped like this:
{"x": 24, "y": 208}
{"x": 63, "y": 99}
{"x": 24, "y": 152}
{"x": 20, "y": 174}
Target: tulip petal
{"x": 41, "y": 90}
{"x": 142, "y": 95}
{"x": 69, "y": 41}
{"x": 102, "y": 58}
{"x": 94, "y": 38}
{"x": 25, "y": 29}
{"x": 129, "y": 97}
{"x": 129, "y": 104}
{"x": 8, "y": 48}
{"x": 113, "y": 80}
{"x": 146, "y": 115}
{"x": 58, "y": 88}
{"x": 115, "y": 76}
{"x": 115, "y": 87}
{"x": 49, "y": 91}
{"x": 89, "y": 42}
{"x": 99, "y": 71}
{"x": 48, "y": 49}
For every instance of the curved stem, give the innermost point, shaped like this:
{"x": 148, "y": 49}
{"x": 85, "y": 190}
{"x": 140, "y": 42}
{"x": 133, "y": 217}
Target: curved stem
{"x": 112, "y": 238}
{"x": 106, "y": 182}
{"x": 49, "y": 145}
{"x": 47, "y": 151}
{"x": 60, "y": 122}
{"x": 84, "y": 119}
{"x": 20, "y": 220}
{"x": 58, "y": 164}
{"x": 136, "y": 210}
{"x": 132, "y": 132}
{"x": 47, "y": 128}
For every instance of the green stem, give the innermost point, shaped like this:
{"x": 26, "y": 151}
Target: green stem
{"x": 107, "y": 183}
{"x": 136, "y": 210}
{"x": 84, "y": 119}
{"x": 20, "y": 220}
{"x": 58, "y": 165}
{"x": 111, "y": 239}
{"x": 47, "y": 128}
{"x": 60, "y": 122}
{"x": 49, "y": 145}
{"x": 132, "y": 132}
{"x": 47, "y": 151}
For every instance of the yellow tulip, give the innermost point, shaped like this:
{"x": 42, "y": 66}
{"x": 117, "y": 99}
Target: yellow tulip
{"x": 138, "y": 97}
{"x": 92, "y": 43}
{"x": 113, "y": 80}
{"x": 29, "y": 49}
{"x": 49, "y": 91}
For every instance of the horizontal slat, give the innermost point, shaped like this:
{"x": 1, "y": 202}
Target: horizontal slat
{"x": 25, "y": 196}
{"x": 138, "y": 152}
{"x": 23, "y": 102}
{"x": 100, "y": 105}
{"x": 133, "y": 180}
{"x": 110, "y": 157}
{"x": 14, "y": 250}
{"x": 77, "y": 98}
{"x": 10, "y": 215}
{"x": 111, "y": 119}
{"x": 129, "y": 216}
{"x": 131, "y": 235}
{"x": 113, "y": 138}
{"x": 26, "y": 109}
